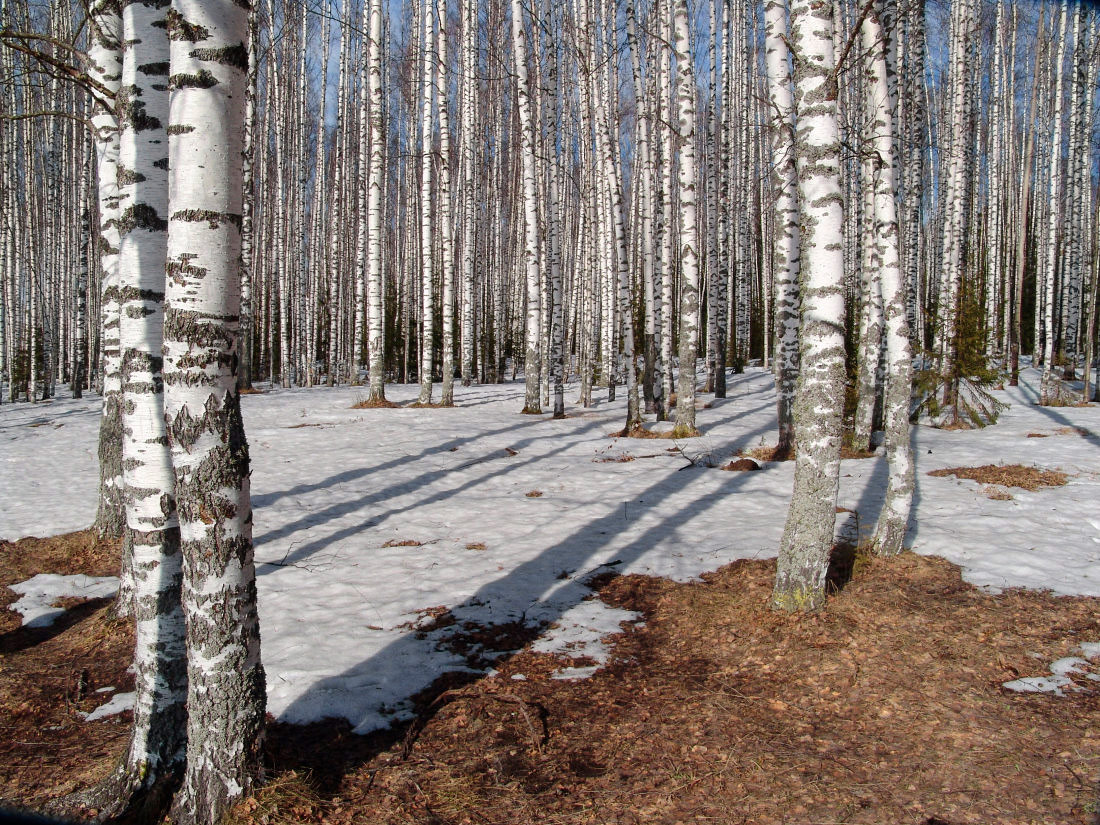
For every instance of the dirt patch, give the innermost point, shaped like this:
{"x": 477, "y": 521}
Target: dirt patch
{"x": 49, "y": 675}
{"x": 378, "y": 404}
{"x": 885, "y": 707}
{"x": 741, "y": 464}
{"x": 768, "y": 453}
{"x": 1007, "y": 475}
{"x": 641, "y": 432}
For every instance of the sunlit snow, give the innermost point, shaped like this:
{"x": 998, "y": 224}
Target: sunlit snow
{"x": 369, "y": 522}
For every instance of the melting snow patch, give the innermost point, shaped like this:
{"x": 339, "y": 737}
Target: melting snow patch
{"x": 117, "y": 704}
{"x": 41, "y": 592}
{"x": 1059, "y": 681}
{"x": 580, "y": 632}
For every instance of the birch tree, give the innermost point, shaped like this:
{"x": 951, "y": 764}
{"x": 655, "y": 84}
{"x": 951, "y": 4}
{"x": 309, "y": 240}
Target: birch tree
{"x": 105, "y": 67}
{"x": 226, "y": 690}
{"x": 894, "y": 517}
{"x": 689, "y": 235}
{"x": 785, "y": 239}
{"x": 532, "y": 402}
{"x": 819, "y": 396}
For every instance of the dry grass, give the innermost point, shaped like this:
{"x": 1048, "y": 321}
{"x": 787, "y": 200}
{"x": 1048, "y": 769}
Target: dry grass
{"x": 640, "y": 431}
{"x": 847, "y": 451}
{"x": 766, "y": 453}
{"x": 403, "y": 543}
{"x": 533, "y": 494}
{"x": 742, "y": 464}
{"x": 476, "y": 545}
{"x": 887, "y": 706}
{"x": 1006, "y": 475}
{"x": 288, "y": 799}
{"x": 374, "y": 404}
{"x": 996, "y": 492}
{"x": 1078, "y": 431}
{"x": 614, "y": 459}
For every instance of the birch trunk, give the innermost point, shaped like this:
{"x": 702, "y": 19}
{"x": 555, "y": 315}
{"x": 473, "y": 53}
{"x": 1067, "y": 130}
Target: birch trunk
{"x": 689, "y": 234}
{"x": 105, "y": 57}
{"x": 894, "y": 516}
{"x": 786, "y": 232}
{"x": 155, "y": 753}
{"x": 427, "y": 102}
{"x": 226, "y": 690}
{"x": 1050, "y": 390}
{"x": 532, "y": 401}
{"x": 374, "y": 205}
{"x": 819, "y": 397}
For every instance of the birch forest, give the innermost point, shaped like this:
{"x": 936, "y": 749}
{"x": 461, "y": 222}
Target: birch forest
{"x": 471, "y": 191}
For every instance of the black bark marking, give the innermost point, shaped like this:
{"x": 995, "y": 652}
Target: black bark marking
{"x": 141, "y": 215}
{"x": 179, "y": 270}
{"x": 214, "y": 218}
{"x": 202, "y": 79}
{"x": 131, "y": 110}
{"x": 180, "y": 29}
{"x": 235, "y": 56}
{"x": 180, "y": 129}
{"x": 159, "y": 68}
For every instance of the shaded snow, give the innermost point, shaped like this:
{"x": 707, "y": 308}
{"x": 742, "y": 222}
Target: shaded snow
{"x": 41, "y": 592}
{"x": 332, "y": 486}
{"x": 116, "y": 704}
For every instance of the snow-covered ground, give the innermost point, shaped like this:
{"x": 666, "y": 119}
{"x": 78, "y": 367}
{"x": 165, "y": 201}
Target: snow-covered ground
{"x": 512, "y": 513}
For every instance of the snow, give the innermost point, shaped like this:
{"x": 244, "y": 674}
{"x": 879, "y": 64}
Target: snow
{"x": 346, "y": 621}
{"x": 1059, "y": 681}
{"x": 116, "y": 704}
{"x": 41, "y": 592}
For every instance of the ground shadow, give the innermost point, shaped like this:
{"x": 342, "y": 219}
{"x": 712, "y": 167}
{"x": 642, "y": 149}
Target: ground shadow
{"x": 24, "y": 637}
{"x": 329, "y": 749}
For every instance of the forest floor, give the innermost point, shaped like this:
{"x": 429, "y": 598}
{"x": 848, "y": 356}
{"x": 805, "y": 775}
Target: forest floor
{"x": 887, "y": 707}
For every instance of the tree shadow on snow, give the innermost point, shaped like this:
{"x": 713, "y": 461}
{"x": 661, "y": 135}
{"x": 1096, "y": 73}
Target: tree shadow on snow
{"x": 516, "y": 599}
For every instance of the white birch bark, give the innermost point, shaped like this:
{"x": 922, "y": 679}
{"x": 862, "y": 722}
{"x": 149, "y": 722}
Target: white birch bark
{"x": 156, "y": 749}
{"x": 427, "y": 103}
{"x": 105, "y": 66}
{"x": 785, "y": 243}
{"x": 469, "y": 186}
{"x": 689, "y": 233}
{"x": 819, "y": 397}
{"x": 226, "y": 691}
{"x": 375, "y": 185}
{"x": 1050, "y": 387}
{"x": 446, "y": 226}
{"x": 532, "y": 401}
{"x": 962, "y": 24}
{"x": 894, "y": 517}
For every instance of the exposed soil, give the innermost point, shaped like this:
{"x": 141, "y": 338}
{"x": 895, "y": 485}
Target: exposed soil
{"x": 885, "y": 708}
{"x": 1007, "y": 475}
{"x": 48, "y": 675}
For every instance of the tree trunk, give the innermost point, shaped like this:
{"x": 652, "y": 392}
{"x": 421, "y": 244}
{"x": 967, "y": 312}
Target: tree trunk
{"x": 226, "y": 692}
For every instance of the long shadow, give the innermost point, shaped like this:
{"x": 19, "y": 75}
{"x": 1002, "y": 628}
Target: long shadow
{"x": 532, "y": 592}
{"x": 335, "y": 511}
{"x": 265, "y": 499}
{"x": 873, "y": 496}
{"x": 43, "y": 420}
{"x": 1031, "y": 394}
{"x": 24, "y": 637}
